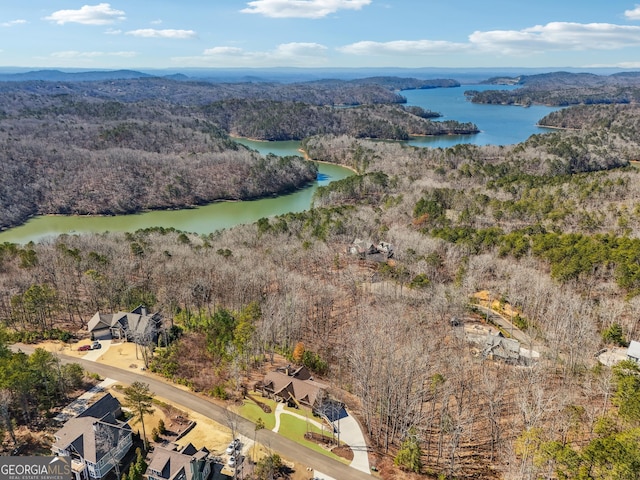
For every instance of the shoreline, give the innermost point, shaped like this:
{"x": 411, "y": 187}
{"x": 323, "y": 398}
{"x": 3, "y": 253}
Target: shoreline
{"x": 150, "y": 210}
{"x": 425, "y": 135}
{"x": 306, "y": 156}
{"x": 558, "y": 128}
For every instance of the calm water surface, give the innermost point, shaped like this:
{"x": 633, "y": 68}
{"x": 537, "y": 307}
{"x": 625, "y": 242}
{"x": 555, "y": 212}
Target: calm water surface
{"x": 206, "y": 219}
{"x": 500, "y": 125}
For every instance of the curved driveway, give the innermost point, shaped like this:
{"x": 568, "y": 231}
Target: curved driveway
{"x": 285, "y": 447}
{"x": 351, "y": 434}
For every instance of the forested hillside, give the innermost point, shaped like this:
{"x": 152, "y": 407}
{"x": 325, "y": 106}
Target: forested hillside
{"x": 82, "y": 162}
{"x": 333, "y": 92}
{"x": 269, "y": 120}
{"x": 620, "y": 119}
{"x": 563, "y": 88}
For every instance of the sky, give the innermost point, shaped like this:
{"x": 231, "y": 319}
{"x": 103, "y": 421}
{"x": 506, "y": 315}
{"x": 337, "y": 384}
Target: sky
{"x": 164, "y": 34}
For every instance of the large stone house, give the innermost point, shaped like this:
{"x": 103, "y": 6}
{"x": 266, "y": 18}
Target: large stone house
{"x": 138, "y": 326}
{"x": 174, "y": 463}
{"x": 95, "y": 440}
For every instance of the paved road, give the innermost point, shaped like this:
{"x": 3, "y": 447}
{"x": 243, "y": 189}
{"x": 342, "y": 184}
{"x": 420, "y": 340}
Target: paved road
{"x": 285, "y": 447}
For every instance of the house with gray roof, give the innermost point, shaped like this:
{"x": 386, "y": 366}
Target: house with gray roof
{"x": 175, "y": 463}
{"x": 362, "y": 248}
{"x": 498, "y": 347}
{"x": 138, "y": 326}
{"x": 95, "y": 440}
{"x": 366, "y": 249}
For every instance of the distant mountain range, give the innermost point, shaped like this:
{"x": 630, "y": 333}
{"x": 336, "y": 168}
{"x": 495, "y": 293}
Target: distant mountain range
{"x": 60, "y": 76}
{"x": 283, "y": 75}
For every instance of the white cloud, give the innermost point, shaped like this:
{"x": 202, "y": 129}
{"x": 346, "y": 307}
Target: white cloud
{"x": 555, "y": 36}
{"x": 404, "y": 47}
{"x": 300, "y": 50}
{"x": 223, "y": 51}
{"x": 302, "y": 8}
{"x": 112, "y": 31}
{"x": 167, "y": 33}
{"x": 558, "y": 36}
{"x": 633, "y": 65}
{"x": 13, "y": 23}
{"x": 282, "y": 51}
{"x": 290, "y": 54}
{"x": 77, "y": 54}
{"x": 633, "y": 14}
{"x": 156, "y": 22}
{"x": 101, "y": 14}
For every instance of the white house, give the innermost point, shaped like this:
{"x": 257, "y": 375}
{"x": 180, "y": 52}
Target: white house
{"x": 633, "y": 352}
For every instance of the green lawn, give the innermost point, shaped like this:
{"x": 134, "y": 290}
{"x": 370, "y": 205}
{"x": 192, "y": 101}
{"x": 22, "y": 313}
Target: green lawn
{"x": 291, "y": 427}
{"x": 294, "y": 428}
{"x": 251, "y": 411}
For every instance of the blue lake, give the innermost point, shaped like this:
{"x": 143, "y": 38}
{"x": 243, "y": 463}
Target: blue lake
{"x": 498, "y": 124}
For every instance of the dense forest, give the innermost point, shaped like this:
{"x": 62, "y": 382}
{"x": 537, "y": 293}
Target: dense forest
{"x": 563, "y": 89}
{"x": 32, "y": 385}
{"x": 547, "y": 228}
{"x": 269, "y": 120}
{"x": 322, "y": 92}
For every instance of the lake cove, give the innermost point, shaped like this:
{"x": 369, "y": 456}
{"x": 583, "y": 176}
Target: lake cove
{"x": 499, "y": 125}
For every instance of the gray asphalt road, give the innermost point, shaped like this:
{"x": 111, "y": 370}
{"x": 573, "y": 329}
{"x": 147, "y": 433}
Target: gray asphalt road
{"x": 283, "y": 446}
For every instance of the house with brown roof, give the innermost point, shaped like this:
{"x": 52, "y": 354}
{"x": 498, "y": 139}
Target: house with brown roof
{"x": 174, "y": 463}
{"x": 294, "y": 386}
{"x": 138, "y": 325}
{"x": 95, "y": 440}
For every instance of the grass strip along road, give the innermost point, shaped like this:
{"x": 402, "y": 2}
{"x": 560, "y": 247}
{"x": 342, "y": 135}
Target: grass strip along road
{"x": 283, "y": 446}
